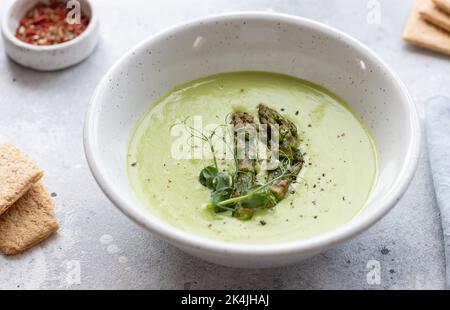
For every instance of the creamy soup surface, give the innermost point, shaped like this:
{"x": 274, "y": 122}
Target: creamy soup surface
{"x": 337, "y": 178}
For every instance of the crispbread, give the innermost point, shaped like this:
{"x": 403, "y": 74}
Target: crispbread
{"x": 443, "y": 5}
{"x": 28, "y": 222}
{"x": 432, "y": 14}
{"x": 422, "y": 33}
{"x": 17, "y": 174}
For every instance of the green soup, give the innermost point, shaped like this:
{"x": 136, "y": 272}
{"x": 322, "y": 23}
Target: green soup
{"x": 335, "y": 182}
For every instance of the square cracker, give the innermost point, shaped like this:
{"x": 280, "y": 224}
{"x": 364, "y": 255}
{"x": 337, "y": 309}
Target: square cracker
{"x": 17, "y": 174}
{"x": 443, "y": 5}
{"x": 424, "y": 34}
{"x": 28, "y": 222}
{"x": 432, "y": 14}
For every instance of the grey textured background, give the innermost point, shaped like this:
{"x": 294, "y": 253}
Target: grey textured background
{"x": 43, "y": 114}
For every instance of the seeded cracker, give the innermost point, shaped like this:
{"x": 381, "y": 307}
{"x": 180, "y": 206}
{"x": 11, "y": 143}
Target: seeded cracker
{"x": 17, "y": 174}
{"x": 432, "y": 14}
{"x": 28, "y": 222}
{"x": 443, "y": 5}
{"x": 424, "y": 34}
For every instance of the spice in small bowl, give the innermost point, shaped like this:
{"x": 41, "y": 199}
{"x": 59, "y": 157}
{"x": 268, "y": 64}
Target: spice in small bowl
{"x": 47, "y": 24}
{"x": 48, "y": 35}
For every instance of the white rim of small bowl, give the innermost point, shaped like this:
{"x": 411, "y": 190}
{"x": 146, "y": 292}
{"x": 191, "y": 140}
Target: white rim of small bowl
{"x": 93, "y": 20}
{"x": 183, "y": 238}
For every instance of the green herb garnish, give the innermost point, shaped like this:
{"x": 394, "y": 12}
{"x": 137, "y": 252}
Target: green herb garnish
{"x": 247, "y": 187}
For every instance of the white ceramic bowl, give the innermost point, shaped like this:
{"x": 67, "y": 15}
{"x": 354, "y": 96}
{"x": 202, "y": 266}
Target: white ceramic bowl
{"x": 252, "y": 41}
{"x": 52, "y": 57}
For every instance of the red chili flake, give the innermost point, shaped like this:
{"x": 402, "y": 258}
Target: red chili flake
{"x": 46, "y": 24}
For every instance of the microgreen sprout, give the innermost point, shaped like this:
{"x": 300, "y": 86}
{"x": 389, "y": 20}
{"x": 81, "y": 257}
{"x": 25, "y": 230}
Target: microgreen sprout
{"x": 237, "y": 190}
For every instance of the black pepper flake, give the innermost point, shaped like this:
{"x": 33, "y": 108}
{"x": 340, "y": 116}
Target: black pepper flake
{"x": 282, "y": 109}
{"x": 53, "y": 195}
{"x": 263, "y": 223}
{"x": 315, "y": 217}
{"x": 133, "y": 164}
{"x": 297, "y": 113}
{"x": 309, "y": 125}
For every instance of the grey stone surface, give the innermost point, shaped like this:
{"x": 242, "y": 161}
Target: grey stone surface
{"x": 43, "y": 113}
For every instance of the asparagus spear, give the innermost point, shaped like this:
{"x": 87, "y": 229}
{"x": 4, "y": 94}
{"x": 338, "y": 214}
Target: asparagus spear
{"x": 246, "y": 167}
{"x": 243, "y": 191}
{"x": 292, "y": 158}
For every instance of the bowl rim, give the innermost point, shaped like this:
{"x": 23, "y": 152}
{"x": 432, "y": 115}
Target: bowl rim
{"x": 185, "y": 239}
{"x": 93, "y": 21}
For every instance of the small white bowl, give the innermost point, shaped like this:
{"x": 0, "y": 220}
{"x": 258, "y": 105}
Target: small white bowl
{"x": 252, "y": 42}
{"x": 51, "y": 57}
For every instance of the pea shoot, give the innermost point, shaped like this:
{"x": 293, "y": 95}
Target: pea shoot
{"x": 247, "y": 187}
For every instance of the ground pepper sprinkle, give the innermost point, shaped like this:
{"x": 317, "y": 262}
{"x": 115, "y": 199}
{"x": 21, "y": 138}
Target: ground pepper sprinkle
{"x": 45, "y": 24}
